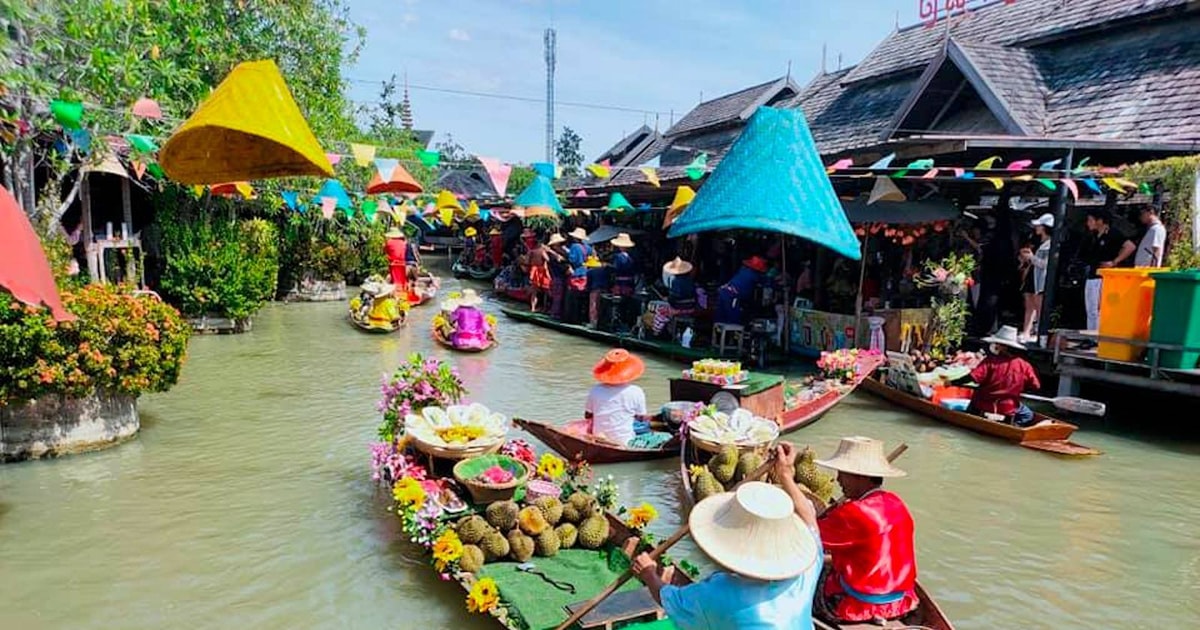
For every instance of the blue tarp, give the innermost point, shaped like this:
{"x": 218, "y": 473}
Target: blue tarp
{"x": 772, "y": 179}
{"x": 539, "y": 194}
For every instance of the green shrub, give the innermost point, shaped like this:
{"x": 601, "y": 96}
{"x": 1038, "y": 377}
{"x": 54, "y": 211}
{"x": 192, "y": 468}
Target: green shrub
{"x": 119, "y": 342}
{"x": 226, "y": 268}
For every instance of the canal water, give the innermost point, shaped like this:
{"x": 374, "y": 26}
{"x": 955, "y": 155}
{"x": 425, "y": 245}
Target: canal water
{"x": 246, "y": 501}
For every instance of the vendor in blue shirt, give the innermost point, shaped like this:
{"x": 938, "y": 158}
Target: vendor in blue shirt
{"x": 767, "y": 541}
{"x": 624, "y": 269}
{"x": 733, "y": 295}
{"x": 577, "y": 284}
{"x": 681, "y": 289}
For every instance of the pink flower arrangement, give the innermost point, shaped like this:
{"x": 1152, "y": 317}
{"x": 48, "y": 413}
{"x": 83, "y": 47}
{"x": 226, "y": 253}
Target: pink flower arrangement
{"x": 496, "y": 475}
{"x": 839, "y": 365}
{"x": 389, "y": 464}
{"x": 519, "y": 449}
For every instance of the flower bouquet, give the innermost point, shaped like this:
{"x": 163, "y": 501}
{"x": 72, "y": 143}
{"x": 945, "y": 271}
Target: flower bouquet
{"x": 839, "y": 366}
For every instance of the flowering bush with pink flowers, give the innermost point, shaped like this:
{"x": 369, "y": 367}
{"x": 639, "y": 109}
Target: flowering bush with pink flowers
{"x": 417, "y": 384}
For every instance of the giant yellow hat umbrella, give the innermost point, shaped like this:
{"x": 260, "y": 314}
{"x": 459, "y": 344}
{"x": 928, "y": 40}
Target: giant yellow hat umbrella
{"x": 248, "y": 128}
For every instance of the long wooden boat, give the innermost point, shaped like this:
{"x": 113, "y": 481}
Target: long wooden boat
{"x": 807, "y": 412}
{"x": 666, "y": 349}
{"x": 463, "y": 270}
{"x": 927, "y": 616}
{"x": 572, "y": 442}
{"x": 442, "y": 340}
{"x": 1050, "y": 435}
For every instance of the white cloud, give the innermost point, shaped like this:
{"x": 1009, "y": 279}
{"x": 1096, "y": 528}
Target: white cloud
{"x": 459, "y": 35}
{"x": 408, "y": 18}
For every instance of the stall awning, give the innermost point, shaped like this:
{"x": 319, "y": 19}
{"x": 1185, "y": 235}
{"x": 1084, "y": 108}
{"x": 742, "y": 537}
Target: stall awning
{"x": 899, "y": 212}
{"x": 606, "y": 233}
{"x": 772, "y": 179}
{"x": 248, "y": 128}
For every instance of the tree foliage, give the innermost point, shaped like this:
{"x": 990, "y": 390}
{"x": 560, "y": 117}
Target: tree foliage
{"x": 1177, "y": 177}
{"x": 569, "y": 152}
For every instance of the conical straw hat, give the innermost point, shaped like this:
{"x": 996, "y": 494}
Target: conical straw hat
{"x": 622, "y": 240}
{"x": 864, "y": 456}
{"x": 677, "y": 267}
{"x": 248, "y": 128}
{"x": 754, "y": 532}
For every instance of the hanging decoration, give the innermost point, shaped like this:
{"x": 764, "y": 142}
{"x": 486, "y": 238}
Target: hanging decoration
{"x": 429, "y": 158}
{"x": 1070, "y": 184}
{"x": 363, "y": 153}
{"x": 333, "y": 158}
{"x": 447, "y": 200}
{"x": 141, "y": 143}
{"x": 69, "y": 114}
{"x": 885, "y": 190}
{"x": 601, "y": 169}
{"x": 651, "y": 175}
{"x": 1019, "y": 165}
{"x": 996, "y": 182}
{"x": 839, "y": 165}
{"x": 545, "y": 169}
{"x": 139, "y": 168}
{"x": 390, "y": 177}
{"x": 291, "y": 199}
{"x": 987, "y": 164}
{"x": 498, "y": 172}
{"x": 328, "y": 205}
{"x": 697, "y": 168}
{"x": 146, "y": 108}
{"x": 333, "y": 189}
{"x": 618, "y": 202}
{"x": 883, "y": 162}
{"x": 581, "y": 194}
{"x": 369, "y": 208}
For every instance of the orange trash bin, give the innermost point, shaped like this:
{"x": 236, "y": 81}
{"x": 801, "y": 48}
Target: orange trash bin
{"x": 1126, "y": 305}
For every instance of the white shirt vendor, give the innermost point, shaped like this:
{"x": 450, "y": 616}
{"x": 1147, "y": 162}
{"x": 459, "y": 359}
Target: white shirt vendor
{"x": 1150, "y": 250}
{"x": 615, "y": 402}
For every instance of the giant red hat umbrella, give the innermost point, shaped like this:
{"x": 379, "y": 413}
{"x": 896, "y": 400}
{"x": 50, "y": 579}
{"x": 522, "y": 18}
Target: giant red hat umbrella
{"x": 24, "y": 270}
{"x": 398, "y": 181}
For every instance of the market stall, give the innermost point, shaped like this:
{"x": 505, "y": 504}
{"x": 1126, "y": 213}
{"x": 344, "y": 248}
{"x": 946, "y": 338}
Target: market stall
{"x": 760, "y": 393}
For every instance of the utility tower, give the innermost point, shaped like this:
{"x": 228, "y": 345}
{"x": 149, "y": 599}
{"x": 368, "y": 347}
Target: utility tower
{"x": 549, "y": 40}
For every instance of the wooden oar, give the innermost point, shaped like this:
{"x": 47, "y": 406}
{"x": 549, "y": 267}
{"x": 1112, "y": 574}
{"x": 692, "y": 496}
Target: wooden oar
{"x": 654, "y": 555}
{"x": 1072, "y": 403}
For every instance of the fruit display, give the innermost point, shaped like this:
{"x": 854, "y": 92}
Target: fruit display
{"x": 741, "y": 427}
{"x": 457, "y": 426}
{"x": 925, "y": 362}
{"x": 822, "y": 484}
{"x": 717, "y": 372}
{"x": 729, "y": 467}
{"x": 507, "y": 531}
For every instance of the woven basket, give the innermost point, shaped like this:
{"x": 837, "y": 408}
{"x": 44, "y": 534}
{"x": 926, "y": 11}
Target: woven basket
{"x": 468, "y": 469}
{"x": 715, "y": 447}
{"x": 443, "y": 452}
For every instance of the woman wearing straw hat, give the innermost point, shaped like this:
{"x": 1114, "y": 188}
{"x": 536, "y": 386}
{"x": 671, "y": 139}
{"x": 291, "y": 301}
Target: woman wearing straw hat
{"x": 615, "y": 406}
{"x": 1002, "y": 377}
{"x": 766, "y": 540}
{"x": 872, "y": 571}
{"x": 577, "y": 254}
{"x": 471, "y": 330}
{"x": 624, "y": 269}
{"x": 681, "y": 289}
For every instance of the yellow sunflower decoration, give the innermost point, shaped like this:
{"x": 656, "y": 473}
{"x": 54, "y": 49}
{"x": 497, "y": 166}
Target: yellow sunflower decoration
{"x": 484, "y": 596}
{"x": 447, "y": 549}
{"x": 551, "y": 467}
{"x": 408, "y": 493}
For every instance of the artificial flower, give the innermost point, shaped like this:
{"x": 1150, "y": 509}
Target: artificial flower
{"x": 641, "y": 516}
{"x": 408, "y": 492}
{"x": 447, "y": 549}
{"x": 484, "y": 596}
{"x": 551, "y": 467}
{"x": 519, "y": 449}
{"x": 496, "y": 475}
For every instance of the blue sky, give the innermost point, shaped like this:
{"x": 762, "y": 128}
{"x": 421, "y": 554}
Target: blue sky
{"x": 649, "y": 55}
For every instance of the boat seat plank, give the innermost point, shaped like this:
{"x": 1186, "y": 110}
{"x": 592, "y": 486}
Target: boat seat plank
{"x": 619, "y": 607}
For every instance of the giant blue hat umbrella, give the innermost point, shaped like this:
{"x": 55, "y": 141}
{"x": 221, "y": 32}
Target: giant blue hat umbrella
{"x": 772, "y": 179}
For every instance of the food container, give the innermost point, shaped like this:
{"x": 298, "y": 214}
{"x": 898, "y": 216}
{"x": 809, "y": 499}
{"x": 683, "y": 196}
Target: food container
{"x": 994, "y": 417}
{"x": 955, "y": 404}
{"x": 539, "y": 488}
{"x": 467, "y": 471}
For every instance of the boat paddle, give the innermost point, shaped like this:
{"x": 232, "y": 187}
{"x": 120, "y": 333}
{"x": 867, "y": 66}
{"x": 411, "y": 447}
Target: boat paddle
{"x": 1072, "y": 404}
{"x": 654, "y": 555}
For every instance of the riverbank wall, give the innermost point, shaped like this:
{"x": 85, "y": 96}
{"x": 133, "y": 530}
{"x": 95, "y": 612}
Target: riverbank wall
{"x": 57, "y": 425}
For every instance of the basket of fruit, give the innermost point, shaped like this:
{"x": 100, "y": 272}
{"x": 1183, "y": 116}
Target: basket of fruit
{"x": 714, "y": 430}
{"x": 491, "y": 477}
{"x": 456, "y": 432}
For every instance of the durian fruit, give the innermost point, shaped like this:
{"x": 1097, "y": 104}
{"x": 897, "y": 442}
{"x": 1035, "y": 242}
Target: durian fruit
{"x": 571, "y": 514}
{"x": 531, "y": 521}
{"x": 704, "y": 484}
{"x": 494, "y": 546}
{"x": 567, "y": 535}
{"x": 502, "y": 515}
{"x": 724, "y": 464}
{"x": 748, "y": 462}
{"x": 551, "y": 508}
{"x": 471, "y": 560}
{"x": 472, "y": 529}
{"x": 546, "y": 544}
{"x": 593, "y": 531}
{"x": 811, "y": 477}
{"x": 520, "y": 546}
{"x": 584, "y": 503}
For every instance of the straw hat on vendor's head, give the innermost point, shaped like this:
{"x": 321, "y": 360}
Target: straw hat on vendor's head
{"x": 394, "y": 232}
{"x": 469, "y": 298}
{"x": 757, "y": 263}
{"x": 1007, "y": 337}
{"x": 618, "y": 367}
{"x": 754, "y": 532}
{"x": 556, "y": 239}
{"x": 622, "y": 240}
{"x": 578, "y": 234}
{"x": 470, "y": 232}
{"x": 862, "y": 456}
{"x": 678, "y": 267}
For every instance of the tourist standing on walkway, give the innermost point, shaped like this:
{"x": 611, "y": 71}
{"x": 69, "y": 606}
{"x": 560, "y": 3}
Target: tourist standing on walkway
{"x": 1106, "y": 249}
{"x": 1034, "y": 283}
{"x": 557, "y": 262}
{"x": 1154, "y": 242}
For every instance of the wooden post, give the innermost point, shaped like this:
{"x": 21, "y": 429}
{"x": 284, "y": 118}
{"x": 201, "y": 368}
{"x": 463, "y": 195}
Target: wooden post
{"x": 89, "y": 247}
{"x": 1059, "y": 209}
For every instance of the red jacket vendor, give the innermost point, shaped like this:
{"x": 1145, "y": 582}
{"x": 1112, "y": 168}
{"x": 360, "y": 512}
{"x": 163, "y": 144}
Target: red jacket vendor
{"x": 1002, "y": 377}
{"x": 872, "y": 573}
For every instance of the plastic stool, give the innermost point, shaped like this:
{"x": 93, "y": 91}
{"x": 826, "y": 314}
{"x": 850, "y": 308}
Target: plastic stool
{"x": 720, "y": 331}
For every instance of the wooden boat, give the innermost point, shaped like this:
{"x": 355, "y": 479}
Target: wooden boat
{"x": 1052, "y": 436}
{"x": 809, "y": 411}
{"x": 572, "y": 442}
{"x": 367, "y": 326}
{"x": 668, "y": 349}
{"x": 437, "y": 335}
{"x": 463, "y": 270}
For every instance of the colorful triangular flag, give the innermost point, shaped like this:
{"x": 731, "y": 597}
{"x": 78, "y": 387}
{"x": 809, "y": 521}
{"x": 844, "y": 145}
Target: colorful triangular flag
{"x": 429, "y": 158}
{"x": 996, "y": 181}
{"x": 328, "y": 205}
{"x": 291, "y": 199}
{"x": 385, "y": 166}
{"x": 651, "y": 175}
{"x": 141, "y": 143}
{"x": 333, "y": 158}
{"x": 699, "y": 165}
{"x": 545, "y": 169}
{"x": 67, "y": 113}
{"x": 363, "y": 153}
{"x": 839, "y": 165}
{"x": 498, "y": 172}
{"x": 1019, "y": 165}
{"x": 1070, "y": 184}
{"x": 617, "y": 201}
{"x": 987, "y": 164}
{"x": 883, "y": 162}
{"x": 600, "y": 169}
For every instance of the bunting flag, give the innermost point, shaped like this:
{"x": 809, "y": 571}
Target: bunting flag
{"x": 933, "y": 172}
{"x": 146, "y": 108}
{"x": 651, "y": 175}
{"x": 141, "y": 143}
{"x": 291, "y": 199}
{"x": 369, "y": 208}
{"x": 996, "y": 181}
{"x": 385, "y": 208}
{"x": 839, "y": 165}
{"x": 363, "y": 153}
{"x": 472, "y": 209}
{"x": 1023, "y": 178}
{"x": 429, "y": 158}
{"x": 600, "y": 169}
{"x": 498, "y": 172}
{"x": 1080, "y": 168}
{"x": 446, "y": 215}
{"x": 333, "y": 189}
{"x": 156, "y": 171}
{"x": 581, "y": 194}
{"x": 1070, "y": 184}
{"x": 958, "y": 172}
{"x": 545, "y": 169}
{"x": 696, "y": 169}
{"x": 349, "y": 212}
{"x": 485, "y": 215}
{"x": 446, "y": 199}
{"x": 884, "y": 162}
{"x": 1019, "y": 165}
{"x": 914, "y": 165}
{"x": 988, "y": 164}
{"x": 968, "y": 175}
{"x": 198, "y": 191}
{"x": 328, "y": 205}
{"x": 1091, "y": 183}
{"x": 1049, "y": 166}
{"x": 617, "y": 201}
{"x": 385, "y": 166}
{"x": 69, "y": 114}
{"x": 244, "y": 189}
{"x": 139, "y": 168}
{"x": 1048, "y": 183}
{"x": 1112, "y": 183}
{"x": 82, "y": 140}
{"x": 333, "y": 158}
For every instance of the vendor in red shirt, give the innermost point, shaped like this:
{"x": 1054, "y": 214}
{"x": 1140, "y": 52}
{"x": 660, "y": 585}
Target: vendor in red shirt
{"x": 868, "y": 535}
{"x": 396, "y": 249}
{"x": 1001, "y": 379}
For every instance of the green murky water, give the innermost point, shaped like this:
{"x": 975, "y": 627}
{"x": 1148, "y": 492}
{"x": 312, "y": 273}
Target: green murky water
{"x": 246, "y": 501}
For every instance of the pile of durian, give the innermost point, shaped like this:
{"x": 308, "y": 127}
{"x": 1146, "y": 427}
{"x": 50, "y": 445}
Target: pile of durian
{"x": 508, "y": 531}
{"x": 728, "y": 467}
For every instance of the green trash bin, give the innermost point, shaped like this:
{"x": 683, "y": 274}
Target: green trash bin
{"x": 1176, "y": 317}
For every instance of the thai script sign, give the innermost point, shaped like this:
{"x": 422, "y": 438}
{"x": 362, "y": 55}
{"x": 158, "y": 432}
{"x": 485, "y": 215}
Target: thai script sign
{"x": 933, "y": 10}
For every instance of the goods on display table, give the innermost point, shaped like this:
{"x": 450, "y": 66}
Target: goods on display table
{"x": 717, "y": 372}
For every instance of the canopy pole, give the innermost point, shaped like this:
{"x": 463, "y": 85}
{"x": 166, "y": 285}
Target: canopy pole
{"x": 862, "y": 278}
{"x": 787, "y": 301}
{"x": 1057, "y": 235}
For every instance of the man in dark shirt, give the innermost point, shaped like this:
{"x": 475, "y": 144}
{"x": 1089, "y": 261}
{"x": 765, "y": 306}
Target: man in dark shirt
{"x": 1105, "y": 249}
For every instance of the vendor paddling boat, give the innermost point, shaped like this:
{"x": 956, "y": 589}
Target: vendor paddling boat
{"x": 572, "y": 441}
{"x": 440, "y": 337}
{"x": 1047, "y": 434}
{"x": 377, "y": 309}
{"x": 424, "y": 288}
{"x": 462, "y": 326}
